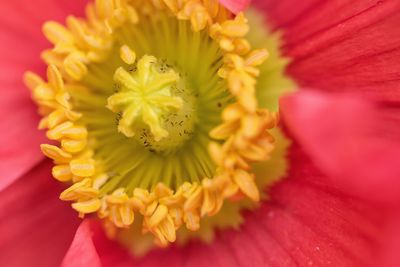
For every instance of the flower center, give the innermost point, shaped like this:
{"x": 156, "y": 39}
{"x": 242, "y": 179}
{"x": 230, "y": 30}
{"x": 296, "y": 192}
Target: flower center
{"x": 153, "y": 105}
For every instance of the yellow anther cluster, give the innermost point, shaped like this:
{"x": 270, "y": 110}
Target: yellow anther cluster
{"x": 240, "y": 139}
{"x": 247, "y": 141}
{"x": 201, "y": 13}
{"x": 73, "y": 158}
{"x": 84, "y": 41}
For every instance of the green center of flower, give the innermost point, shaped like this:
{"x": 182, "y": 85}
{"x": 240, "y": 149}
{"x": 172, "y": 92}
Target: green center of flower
{"x": 154, "y": 106}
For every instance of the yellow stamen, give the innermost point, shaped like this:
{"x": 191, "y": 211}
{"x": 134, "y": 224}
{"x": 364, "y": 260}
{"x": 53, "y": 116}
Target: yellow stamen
{"x": 73, "y": 146}
{"x": 62, "y": 173}
{"x": 158, "y": 216}
{"x": 127, "y": 55}
{"x": 88, "y": 206}
{"x": 82, "y": 167}
{"x": 55, "y": 153}
{"x": 246, "y": 183}
{"x": 80, "y": 190}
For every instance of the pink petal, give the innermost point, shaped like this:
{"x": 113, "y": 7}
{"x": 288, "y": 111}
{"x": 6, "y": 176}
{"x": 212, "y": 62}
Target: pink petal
{"x": 20, "y": 47}
{"x": 112, "y": 254}
{"x": 235, "y": 6}
{"x": 353, "y": 141}
{"x": 391, "y": 248}
{"x": 341, "y": 45}
{"x": 82, "y": 252}
{"x": 35, "y": 226}
{"x": 19, "y": 149}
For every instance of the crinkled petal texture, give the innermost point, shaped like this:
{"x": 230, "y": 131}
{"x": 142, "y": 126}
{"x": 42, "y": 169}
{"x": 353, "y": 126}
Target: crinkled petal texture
{"x": 35, "y": 227}
{"x": 20, "y": 47}
{"x": 355, "y": 142}
{"x": 341, "y": 45}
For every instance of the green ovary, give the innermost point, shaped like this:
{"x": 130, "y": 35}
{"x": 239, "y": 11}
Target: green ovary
{"x": 156, "y": 107}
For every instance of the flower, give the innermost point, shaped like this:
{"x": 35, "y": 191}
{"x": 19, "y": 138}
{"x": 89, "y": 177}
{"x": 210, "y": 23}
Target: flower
{"x": 339, "y": 201}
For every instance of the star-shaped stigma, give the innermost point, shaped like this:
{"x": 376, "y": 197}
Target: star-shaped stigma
{"x": 144, "y": 97}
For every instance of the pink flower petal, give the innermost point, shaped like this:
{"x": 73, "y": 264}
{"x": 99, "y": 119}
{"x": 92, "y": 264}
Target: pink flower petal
{"x": 20, "y": 47}
{"x": 35, "y": 226}
{"x": 112, "y": 254}
{"x": 20, "y": 139}
{"x": 316, "y": 223}
{"x": 355, "y": 142}
{"x": 235, "y": 6}
{"x": 390, "y": 251}
{"x": 341, "y": 45}
{"x": 82, "y": 252}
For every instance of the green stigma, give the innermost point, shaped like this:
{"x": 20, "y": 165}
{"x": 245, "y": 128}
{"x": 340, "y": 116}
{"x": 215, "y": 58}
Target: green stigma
{"x": 153, "y": 105}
